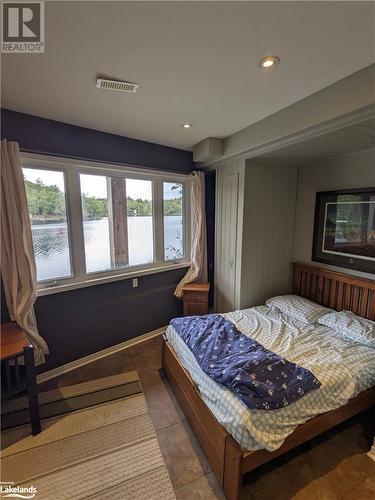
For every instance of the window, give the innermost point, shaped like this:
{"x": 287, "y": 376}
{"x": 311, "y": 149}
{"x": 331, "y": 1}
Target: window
{"x": 117, "y": 222}
{"x": 140, "y": 222}
{"x": 173, "y": 221}
{"x": 45, "y": 191}
{"x": 94, "y": 222}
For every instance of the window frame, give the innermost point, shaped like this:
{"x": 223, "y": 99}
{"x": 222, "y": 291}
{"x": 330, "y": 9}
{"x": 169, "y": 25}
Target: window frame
{"x": 72, "y": 169}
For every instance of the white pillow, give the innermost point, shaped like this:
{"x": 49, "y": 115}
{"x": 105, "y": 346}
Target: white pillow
{"x": 298, "y": 307}
{"x": 351, "y": 326}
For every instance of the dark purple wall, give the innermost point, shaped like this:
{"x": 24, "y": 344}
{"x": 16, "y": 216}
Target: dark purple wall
{"x": 84, "y": 321}
{"x": 39, "y": 135}
{"x": 210, "y": 178}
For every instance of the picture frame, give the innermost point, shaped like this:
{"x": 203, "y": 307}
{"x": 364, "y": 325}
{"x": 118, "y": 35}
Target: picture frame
{"x": 344, "y": 229}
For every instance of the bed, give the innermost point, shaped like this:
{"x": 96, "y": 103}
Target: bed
{"x": 235, "y": 447}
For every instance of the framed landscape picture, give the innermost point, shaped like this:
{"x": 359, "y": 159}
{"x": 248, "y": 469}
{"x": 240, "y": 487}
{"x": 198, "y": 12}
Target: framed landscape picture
{"x": 344, "y": 232}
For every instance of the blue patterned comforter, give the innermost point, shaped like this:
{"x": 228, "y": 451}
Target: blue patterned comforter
{"x": 260, "y": 378}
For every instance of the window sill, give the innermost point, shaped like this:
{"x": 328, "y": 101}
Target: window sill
{"x": 108, "y": 279}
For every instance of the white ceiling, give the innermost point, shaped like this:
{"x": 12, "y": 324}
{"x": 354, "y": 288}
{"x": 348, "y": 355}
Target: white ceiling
{"x": 195, "y": 62}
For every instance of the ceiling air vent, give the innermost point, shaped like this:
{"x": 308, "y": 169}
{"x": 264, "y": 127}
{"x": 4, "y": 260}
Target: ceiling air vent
{"x": 117, "y": 85}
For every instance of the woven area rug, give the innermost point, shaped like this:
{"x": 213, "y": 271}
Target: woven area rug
{"x": 105, "y": 450}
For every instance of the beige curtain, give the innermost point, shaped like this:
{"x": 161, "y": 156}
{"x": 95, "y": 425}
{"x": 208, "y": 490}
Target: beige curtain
{"x": 17, "y": 258}
{"x": 198, "y": 267}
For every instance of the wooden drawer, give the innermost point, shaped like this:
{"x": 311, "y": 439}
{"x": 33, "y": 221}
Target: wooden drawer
{"x": 195, "y": 297}
{"x": 195, "y": 308}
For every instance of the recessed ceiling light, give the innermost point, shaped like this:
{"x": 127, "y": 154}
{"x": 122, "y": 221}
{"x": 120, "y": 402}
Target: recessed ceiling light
{"x": 186, "y": 125}
{"x": 268, "y": 62}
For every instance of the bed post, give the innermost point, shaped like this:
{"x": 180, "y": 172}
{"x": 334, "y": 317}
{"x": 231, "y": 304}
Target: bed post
{"x": 232, "y": 480}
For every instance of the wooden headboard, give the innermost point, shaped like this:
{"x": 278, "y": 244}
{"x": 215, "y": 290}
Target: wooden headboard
{"x": 335, "y": 290}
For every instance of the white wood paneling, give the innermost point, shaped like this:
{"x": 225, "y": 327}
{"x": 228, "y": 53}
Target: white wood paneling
{"x": 228, "y": 246}
{"x": 254, "y": 232}
{"x": 347, "y": 140}
{"x": 227, "y": 241}
{"x": 273, "y": 229}
{"x": 269, "y": 211}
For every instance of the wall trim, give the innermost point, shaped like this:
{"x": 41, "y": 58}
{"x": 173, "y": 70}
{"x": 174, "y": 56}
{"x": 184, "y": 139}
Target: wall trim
{"x": 110, "y": 278}
{"x": 60, "y": 370}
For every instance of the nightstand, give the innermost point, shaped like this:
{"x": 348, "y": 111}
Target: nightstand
{"x": 15, "y": 344}
{"x": 195, "y": 298}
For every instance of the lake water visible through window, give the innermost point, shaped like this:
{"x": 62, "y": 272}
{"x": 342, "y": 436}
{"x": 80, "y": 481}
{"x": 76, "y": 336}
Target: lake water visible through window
{"x": 51, "y": 247}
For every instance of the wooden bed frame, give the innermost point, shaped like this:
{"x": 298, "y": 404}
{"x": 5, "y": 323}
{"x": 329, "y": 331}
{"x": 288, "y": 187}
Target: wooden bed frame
{"x": 229, "y": 463}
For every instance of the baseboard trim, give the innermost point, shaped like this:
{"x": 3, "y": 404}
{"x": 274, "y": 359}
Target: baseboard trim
{"x": 60, "y": 370}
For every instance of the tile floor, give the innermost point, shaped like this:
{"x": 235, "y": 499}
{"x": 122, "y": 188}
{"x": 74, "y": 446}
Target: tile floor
{"x": 331, "y": 467}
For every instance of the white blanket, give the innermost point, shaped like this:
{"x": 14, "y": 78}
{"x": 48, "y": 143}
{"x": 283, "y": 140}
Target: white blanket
{"x": 344, "y": 369}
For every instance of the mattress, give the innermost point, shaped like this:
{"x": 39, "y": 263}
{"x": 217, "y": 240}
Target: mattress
{"x": 344, "y": 368}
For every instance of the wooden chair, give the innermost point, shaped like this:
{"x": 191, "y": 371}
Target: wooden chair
{"x": 14, "y": 344}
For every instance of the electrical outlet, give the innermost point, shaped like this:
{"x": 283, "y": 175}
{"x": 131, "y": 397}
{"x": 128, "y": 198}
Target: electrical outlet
{"x": 135, "y": 282}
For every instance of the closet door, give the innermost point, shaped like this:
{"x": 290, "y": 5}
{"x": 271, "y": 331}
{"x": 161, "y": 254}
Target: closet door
{"x": 226, "y": 241}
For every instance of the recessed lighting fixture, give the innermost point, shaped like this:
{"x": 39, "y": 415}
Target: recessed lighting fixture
{"x": 268, "y": 62}
{"x": 186, "y": 125}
